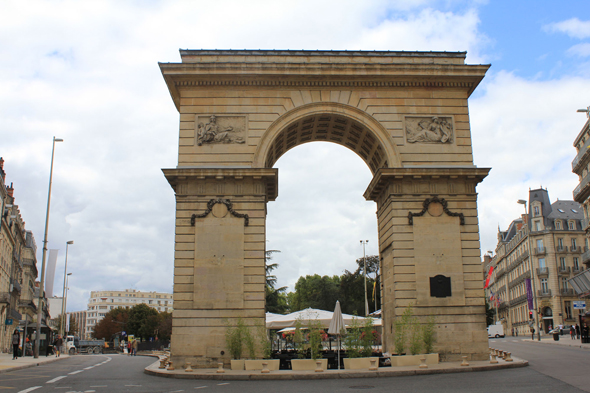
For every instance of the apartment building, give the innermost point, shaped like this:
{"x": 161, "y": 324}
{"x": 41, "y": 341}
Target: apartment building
{"x": 537, "y": 255}
{"x": 101, "y": 302}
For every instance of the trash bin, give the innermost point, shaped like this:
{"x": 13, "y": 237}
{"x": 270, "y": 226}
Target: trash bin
{"x": 556, "y": 336}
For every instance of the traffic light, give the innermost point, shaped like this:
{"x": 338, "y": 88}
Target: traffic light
{"x": 530, "y": 314}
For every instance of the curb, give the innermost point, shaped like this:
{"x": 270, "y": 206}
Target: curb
{"x": 29, "y": 365}
{"x": 551, "y": 342}
{"x": 211, "y": 374}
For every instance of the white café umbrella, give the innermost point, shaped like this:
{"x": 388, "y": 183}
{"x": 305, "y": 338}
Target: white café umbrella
{"x": 336, "y": 325}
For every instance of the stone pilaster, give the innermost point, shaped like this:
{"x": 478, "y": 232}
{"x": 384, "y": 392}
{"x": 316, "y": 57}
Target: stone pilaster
{"x": 219, "y": 270}
{"x": 430, "y": 254}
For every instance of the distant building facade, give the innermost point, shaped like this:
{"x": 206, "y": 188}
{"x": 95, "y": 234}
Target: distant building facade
{"x": 546, "y": 246}
{"x": 101, "y": 302}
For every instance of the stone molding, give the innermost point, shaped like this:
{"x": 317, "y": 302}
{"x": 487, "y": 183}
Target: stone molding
{"x": 435, "y": 199}
{"x": 227, "y": 204}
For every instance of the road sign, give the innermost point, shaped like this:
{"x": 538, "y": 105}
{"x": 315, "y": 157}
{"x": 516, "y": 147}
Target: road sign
{"x": 579, "y": 305}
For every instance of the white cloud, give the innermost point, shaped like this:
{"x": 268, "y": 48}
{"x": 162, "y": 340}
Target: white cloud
{"x": 572, "y": 27}
{"x": 581, "y": 50}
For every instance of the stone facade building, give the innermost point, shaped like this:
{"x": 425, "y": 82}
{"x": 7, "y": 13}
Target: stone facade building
{"x": 101, "y": 302}
{"x": 18, "y": 266}
{"x": 545, "y": 245}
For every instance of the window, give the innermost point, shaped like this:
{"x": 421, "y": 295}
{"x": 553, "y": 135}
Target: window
{"x": 544, "y": 285}
{"x": 537, "y": 226}
{"x": 557, "y": 224}
{"x": 542, "y": 263}
{"x": 576, "y": 263}
{"x": 568, "y": 310}
{"x": 574, "y": 244}
{"x": 562, "y": 263}
{"x": 560, "y": 243}
{"x": 564, "y": 283}
{"x": 536, "y": 210}
{"x": 572, "y": 225}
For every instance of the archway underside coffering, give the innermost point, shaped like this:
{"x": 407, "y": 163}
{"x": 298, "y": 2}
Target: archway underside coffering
{"x": 329, "y": 128}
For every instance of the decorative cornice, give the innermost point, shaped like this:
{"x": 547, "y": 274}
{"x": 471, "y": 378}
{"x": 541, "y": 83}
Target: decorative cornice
{"x": 444, "y": 204}
{"x": 323, "y": 83}
{"x": 230, "y": 209}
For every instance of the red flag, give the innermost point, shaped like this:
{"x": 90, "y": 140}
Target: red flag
{"x": 488, "y": 278}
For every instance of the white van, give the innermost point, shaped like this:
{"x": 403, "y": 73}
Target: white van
{"x": 496, "y": 331}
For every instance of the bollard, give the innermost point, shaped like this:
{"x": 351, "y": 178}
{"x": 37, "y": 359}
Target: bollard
{"x": 265, "y": 369}
{"x": 423, "y": 362}
{"x": 162, "y": 363}
{"x": 503, "y": 354}
{"x": 170, "y": 366}
{"x": 318, "y": 366}
{"x": 220, "y": 369}
{"x": 373, "y": 365}
{"x": 188, "y": 367}
{"x": 464, "y": 362}
{"x": 507, "y": 357}
{"x": 493, "y": 361}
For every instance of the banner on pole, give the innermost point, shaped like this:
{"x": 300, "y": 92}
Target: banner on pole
{"x": 50, "y": 273}
{"x": 529, "y": 292}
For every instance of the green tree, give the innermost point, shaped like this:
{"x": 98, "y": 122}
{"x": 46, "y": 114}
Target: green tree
{"x": 276, "y": 299}
{"x": 165, "y": 325}
{"x": 113, "y": 322}
{"x": 490, "y": 314}
{"x": 143, "y": 321}
{"x": 316, "y": 292}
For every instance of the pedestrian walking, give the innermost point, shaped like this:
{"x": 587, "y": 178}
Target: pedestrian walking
{"x": 577, "y": 331}
{"x": 532, "y": 333}
{"x": 128, "y": 348}
{"x": 57, "y": 345}
{"x": 15, "y": 342}
{"x": 573, "y": 332}
{"x": 134, "y": 347}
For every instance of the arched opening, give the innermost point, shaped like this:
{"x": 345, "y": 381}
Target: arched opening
{"x": 329, "y": 127}
{"x": 547, "y": 319}
{"x": 320, "y": 215}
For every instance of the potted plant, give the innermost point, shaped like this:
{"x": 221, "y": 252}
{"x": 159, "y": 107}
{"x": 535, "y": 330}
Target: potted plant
{"x": 234, "y": 339}
{"x": 314, "y": 347}
{"x": 408, "y": 328}
{"x": 259, "y": 345}
{"x": 359, "y": 344}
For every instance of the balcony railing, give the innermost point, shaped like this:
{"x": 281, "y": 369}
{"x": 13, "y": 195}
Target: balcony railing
{"x": 14, "y": 286}
{"x": 542, "y": 271}
{"x": 561, "y": 249}
{"x": 542, "y": 293}
{"x": 27, "y": 304}
{"x": 15, "y": 315}
{"x": 540, "y": 250}
{"x": 581, "y": 191}
{"x": 576, "y": 269}
{"x": 579, "y": 157}
{"x": 500, "y": 273}
{"x": 564, "y": 269}
{"x": 566, "y": 292}
{"x": 517, "y": 300}
{"x": 576, "y": 249}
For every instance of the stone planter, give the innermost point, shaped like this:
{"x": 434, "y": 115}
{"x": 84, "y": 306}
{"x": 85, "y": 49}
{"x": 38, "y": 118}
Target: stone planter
{"x": 359, "y": 363}
{"x": 307, "y": 364}
{"x": 413, "y": 360}
{"x": 237, "y": 364}
{"x": 273, "y": 364}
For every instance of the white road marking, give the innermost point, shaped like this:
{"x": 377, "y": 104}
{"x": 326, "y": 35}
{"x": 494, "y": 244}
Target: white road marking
{"x": 29, "y": 389}
{"x": 221, "y": 384}
{"x": 88, "y": 368}
{"x": 56, "y": 379}
{"x": 76, "y": 372}
{"x": 134, "y": 385}
{"x": 200, "y": 387}
{"x": 98, "y": 386}
{"x": 89, "y": 391}
{"x": 176, "y": 391}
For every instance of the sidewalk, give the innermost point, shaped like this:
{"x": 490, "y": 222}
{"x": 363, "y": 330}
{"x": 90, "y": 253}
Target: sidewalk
{"x": 7, "y": 364}
{"x": 564, "y": 340}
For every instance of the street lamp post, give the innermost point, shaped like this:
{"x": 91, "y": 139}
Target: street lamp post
{"x": 529, "y": 240}
{"x": 42, "y": 282}
{"x": 64, "y": 303}
{"x": 62, "y": 326}
{"x": 364, "y": 243}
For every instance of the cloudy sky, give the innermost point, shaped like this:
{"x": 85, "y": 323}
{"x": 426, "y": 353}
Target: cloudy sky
{"x": 87, "y": 72}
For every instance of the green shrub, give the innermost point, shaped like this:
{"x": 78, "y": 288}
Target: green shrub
{"x": 352, "y": 339}
{"x": 428, "y": 334}
{"x": 298, "y": 339}
{"x": 315, "y": 339}
{"x": 234, "y": 338}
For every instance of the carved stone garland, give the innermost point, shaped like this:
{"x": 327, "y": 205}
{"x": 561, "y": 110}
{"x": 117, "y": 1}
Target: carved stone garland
{"x": 230, "y": 209}
{"x": 444, "y": 204}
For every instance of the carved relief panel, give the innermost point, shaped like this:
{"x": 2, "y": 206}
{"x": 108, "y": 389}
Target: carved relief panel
{"x": 224, "y": 129}
{"x": 429, "y": 129}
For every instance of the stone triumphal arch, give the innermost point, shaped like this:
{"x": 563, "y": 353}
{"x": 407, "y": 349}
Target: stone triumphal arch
{"x": 404, "y": 113}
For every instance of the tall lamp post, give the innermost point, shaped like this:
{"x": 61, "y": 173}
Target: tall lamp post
{"x": 42, "y": 283}
{"x": 364, "y": 243}
{"x": 530, "y": 243}
{"x": 64, "y": 303}
{"x": 62, "y": 327}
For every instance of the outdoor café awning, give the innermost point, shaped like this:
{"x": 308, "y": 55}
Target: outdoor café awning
{"x": 310, "y": 314}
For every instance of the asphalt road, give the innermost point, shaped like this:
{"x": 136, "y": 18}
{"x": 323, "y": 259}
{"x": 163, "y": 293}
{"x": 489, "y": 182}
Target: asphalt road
{"x": 553, "y": 369}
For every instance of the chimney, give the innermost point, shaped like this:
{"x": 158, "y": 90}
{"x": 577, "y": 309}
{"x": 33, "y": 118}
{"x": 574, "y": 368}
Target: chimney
{"x": 10, "y": 190}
